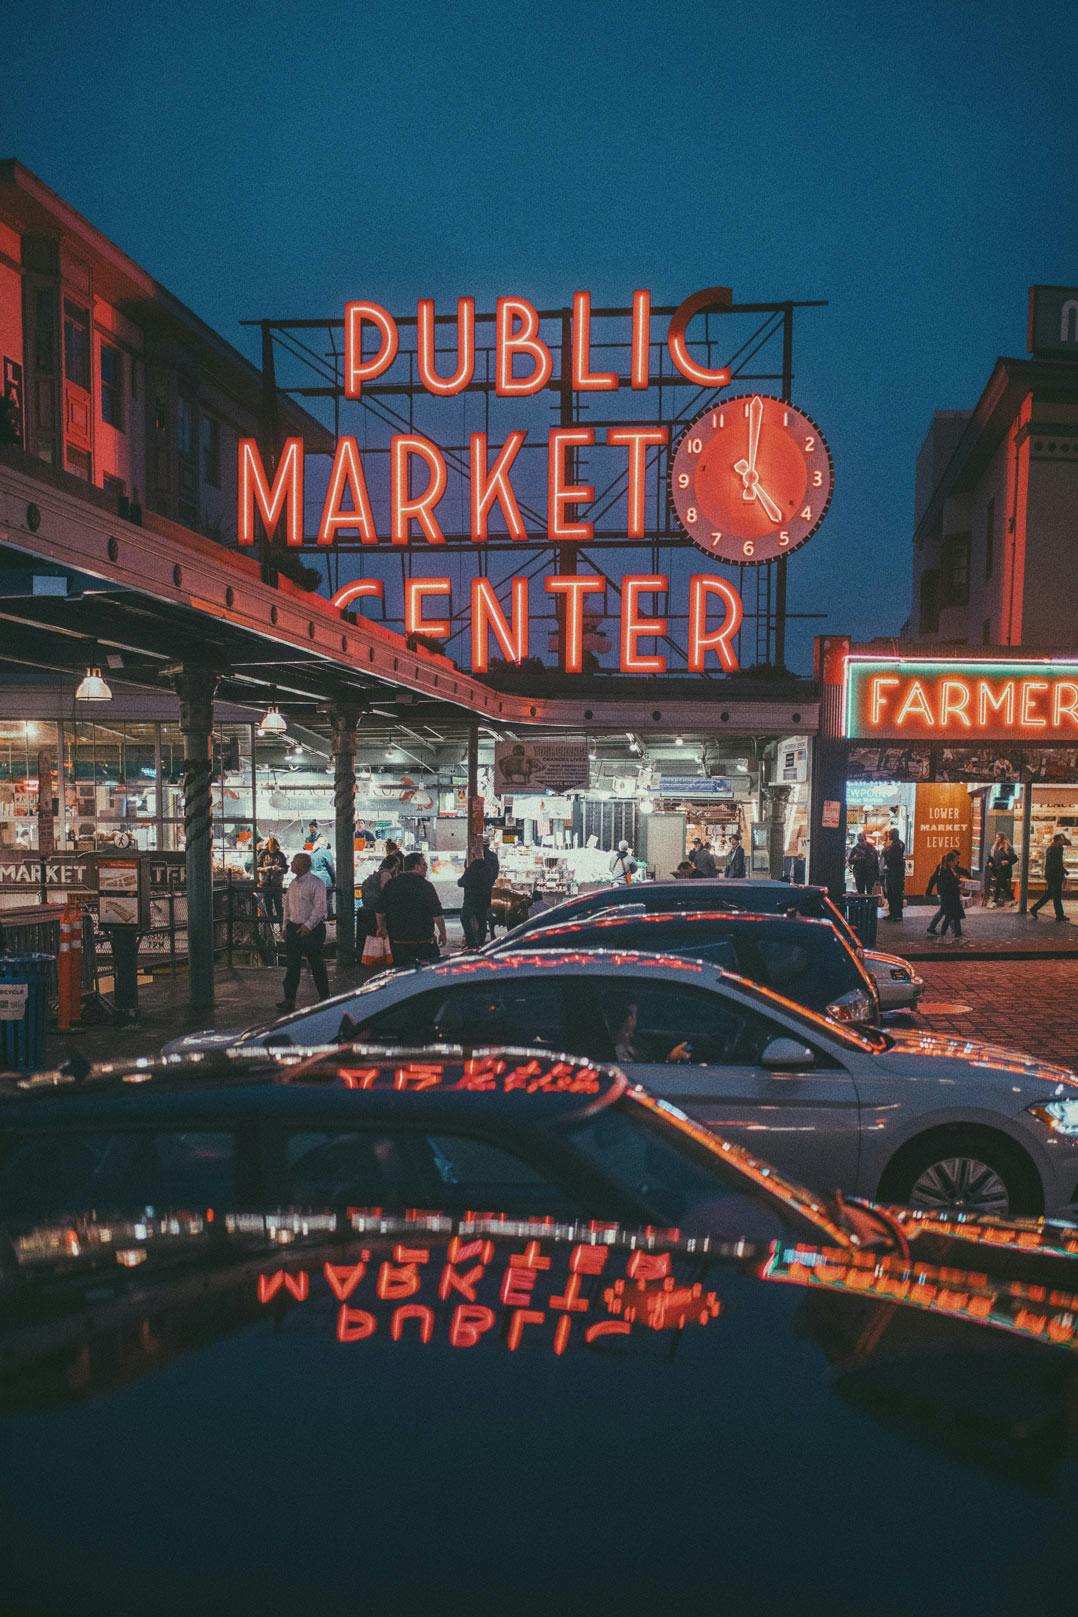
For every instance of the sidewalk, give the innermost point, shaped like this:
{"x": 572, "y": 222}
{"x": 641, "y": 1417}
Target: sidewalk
{"x": 986, "y": 935}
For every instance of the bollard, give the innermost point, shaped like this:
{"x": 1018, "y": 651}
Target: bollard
{"x": 63, "y": 971}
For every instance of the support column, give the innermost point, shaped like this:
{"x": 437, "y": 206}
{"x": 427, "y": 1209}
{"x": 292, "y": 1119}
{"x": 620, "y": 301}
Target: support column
{"x": 1027, "y": 831}
{"x": 345, "y": 721}
{"x": 777, "y": 797}
{"x": 827, "y": 797}
{"x": 475, "y": 802}
{"x": 196, "y": 687}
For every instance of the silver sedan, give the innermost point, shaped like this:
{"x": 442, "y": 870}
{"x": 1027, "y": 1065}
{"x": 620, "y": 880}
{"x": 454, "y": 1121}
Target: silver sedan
{"x": 911, "y": 1117}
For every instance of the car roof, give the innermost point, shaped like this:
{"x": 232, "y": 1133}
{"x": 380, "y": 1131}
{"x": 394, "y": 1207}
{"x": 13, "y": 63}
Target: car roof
{"x": 518, "y": 1082}
{"x": 692, "y": 919}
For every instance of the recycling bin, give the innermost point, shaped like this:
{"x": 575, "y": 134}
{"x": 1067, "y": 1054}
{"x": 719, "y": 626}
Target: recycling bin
{"x": 25, "y": 982}
{"x": 863, "y": 913}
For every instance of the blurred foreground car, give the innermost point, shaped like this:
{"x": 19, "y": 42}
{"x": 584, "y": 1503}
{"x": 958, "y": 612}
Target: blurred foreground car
{"x": 907, "y": 1117}
{"x": 526, "y": 1408}
{"x": 898, "y": 985}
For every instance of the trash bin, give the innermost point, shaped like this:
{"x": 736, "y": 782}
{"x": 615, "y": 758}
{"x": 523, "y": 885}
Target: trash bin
{"x": 25, "y": 980}
{"x": 863, "y": 913}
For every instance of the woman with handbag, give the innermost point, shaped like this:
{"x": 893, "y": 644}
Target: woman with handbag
{"x": 945, "y": 880}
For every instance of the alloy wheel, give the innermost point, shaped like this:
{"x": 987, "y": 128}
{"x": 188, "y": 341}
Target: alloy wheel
{"x": 964, "y": 1184}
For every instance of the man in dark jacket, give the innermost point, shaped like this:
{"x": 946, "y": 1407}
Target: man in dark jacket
{"x": 477, "y": 882}
{"x": 1054, "y": 877}
{"x": 735, "y": 864}
{"x": 894, "y": 873}
{"x": 409, "y": 913}
{"x": 864, "y": 862}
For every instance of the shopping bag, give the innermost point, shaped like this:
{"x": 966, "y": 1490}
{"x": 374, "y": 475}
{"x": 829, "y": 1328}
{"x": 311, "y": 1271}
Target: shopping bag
{"x": 376, "y": 951}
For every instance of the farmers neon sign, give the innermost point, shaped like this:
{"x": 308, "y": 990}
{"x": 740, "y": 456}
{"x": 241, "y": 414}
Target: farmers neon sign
{"x": 895, "y": 699}
{"x": 272, "y": 499}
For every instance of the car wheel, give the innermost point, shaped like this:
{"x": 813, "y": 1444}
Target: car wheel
{"x": 956, "y": 1171}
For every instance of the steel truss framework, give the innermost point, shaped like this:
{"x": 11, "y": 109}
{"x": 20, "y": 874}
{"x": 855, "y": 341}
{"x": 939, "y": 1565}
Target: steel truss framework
{"x": 304, "y": 358}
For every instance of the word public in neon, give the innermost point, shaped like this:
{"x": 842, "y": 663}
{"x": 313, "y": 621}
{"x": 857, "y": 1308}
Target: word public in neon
{"x": 953, "y": 701}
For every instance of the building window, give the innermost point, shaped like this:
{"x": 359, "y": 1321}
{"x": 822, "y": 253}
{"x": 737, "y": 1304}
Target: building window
{"x": 78, "y": 462}
{"x": 989, "y": 538}
{"x": 77, "y": 345}
{"x": 185, "y": 425}
{"x": 45, "y": 330}
{"x": 211, "y": 451}
{"x": 112, "y": 386}
{"x": 930, "y": 602}
{"x": 954, "y": 581}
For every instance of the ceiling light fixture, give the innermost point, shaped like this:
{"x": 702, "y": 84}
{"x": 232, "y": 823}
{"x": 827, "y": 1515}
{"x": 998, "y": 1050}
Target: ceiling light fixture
{"x": 92, "y": 688}
{"x": 273, "y": 723}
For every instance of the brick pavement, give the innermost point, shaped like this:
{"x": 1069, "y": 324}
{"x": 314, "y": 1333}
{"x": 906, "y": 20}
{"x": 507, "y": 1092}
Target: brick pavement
{"x": 1031, "y": 1005}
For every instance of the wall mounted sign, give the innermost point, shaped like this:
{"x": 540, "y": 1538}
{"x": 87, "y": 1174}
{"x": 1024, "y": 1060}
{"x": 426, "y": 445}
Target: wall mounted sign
{"x": 751, "y": 480}
{"x": 542, "y": 767}
{"x": 950, "y": 701}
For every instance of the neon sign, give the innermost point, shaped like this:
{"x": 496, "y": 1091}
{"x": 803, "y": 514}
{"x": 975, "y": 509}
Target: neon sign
{"x": 271, "y": 498}
{"x": 950, "y": 701}
{"x": 535, "y": 1297}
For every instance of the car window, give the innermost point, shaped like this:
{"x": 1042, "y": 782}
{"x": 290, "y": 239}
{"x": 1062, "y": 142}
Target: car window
{"x": 409, "y": 1021}
{"x": 49, "y": 1175}
{"x": 643, "y": 1020}
{"x": 506, "y": 1010}
{"x": 374, "y": 1168}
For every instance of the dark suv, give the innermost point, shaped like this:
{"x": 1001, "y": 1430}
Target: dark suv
{"x": 808, "y": 962}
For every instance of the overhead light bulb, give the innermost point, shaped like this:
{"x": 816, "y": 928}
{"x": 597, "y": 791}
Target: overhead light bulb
{"x": 273, "y": 722}
{"x": 679, "y": 741}
{"x": 93, "y": 688}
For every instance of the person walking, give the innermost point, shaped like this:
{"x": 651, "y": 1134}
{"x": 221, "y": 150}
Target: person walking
{"x": 894, "y": 873}
{"x": 478, "y": 884}
{"x": 945, "y": 881}
{"x": 864, "y": 863}
{"x": 322, "y": 866}
{"x": 997, "y": 872}
{"x": 409, "y": 913}
{"x": 272, "y": 865}
{"x": 622, "y": 865}
{"x": 304, "y": 931}
{"x": 1054, "y": 877}
{"x": 736, "y": 867}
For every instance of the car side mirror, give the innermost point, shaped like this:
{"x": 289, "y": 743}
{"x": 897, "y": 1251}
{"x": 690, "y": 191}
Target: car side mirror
{"x": 785, "y": 1054}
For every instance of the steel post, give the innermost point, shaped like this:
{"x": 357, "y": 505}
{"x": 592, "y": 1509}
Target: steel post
{"x": 345, "y": 721}
{"x": 196, "y": 687}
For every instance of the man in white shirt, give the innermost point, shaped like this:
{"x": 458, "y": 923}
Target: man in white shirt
{"x": 304, "y": 931}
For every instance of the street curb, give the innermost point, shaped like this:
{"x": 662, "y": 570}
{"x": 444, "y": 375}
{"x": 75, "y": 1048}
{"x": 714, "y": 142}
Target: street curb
{"x": 922, "y": 954}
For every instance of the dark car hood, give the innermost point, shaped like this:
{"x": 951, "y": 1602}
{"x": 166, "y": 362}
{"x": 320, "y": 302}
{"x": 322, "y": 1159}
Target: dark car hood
{"x": 308, "y": 1427}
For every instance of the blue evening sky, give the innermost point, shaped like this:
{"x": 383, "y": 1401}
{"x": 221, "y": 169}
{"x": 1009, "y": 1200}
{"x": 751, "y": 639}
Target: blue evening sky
{"x": 913, "y": 163}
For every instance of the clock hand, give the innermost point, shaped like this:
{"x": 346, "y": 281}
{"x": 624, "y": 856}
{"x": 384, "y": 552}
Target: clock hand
{"x": 768, "y": 503}
{"x": 756, "y": 415}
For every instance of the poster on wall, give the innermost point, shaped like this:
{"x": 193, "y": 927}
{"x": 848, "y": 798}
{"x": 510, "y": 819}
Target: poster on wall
{"x": 889, "y": 763}
{"x": 541, "y": 766}
{"x": 978, "y": 763}
{"x": 1051, "y": 764}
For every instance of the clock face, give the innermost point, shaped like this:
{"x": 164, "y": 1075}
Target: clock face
{"x": 751, "y": 479}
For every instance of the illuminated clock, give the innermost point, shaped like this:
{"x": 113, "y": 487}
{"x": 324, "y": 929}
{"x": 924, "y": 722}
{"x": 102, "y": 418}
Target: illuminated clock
{"x": 751, "y": 479}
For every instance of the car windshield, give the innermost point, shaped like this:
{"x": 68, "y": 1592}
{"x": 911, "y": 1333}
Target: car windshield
{"x": 694, "y": 1180}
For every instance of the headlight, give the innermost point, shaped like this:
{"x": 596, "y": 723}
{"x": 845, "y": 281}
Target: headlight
{"x": 855, "y": 1006}
{"x": 1061, "y": 1115}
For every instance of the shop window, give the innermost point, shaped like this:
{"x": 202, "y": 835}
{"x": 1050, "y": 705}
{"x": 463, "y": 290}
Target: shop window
{"x": 211, "y": 451}
{"x": 955, "y": 570}
{"x": 112, "y": 386}
{"x": 989, "y": 538}
{"x": 930, "y": 601}
{"x": 77, "y": 345}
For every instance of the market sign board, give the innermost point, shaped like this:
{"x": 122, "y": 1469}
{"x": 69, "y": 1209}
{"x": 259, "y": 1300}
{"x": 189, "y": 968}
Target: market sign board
{"x": 947, "y": 701}
{"x": 543, "y": 768}
{"x": 751, "y": 480}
